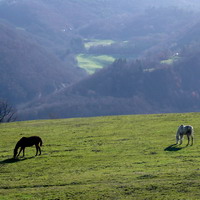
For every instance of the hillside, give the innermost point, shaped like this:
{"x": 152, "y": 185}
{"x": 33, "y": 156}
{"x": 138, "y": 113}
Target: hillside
{"x": 44, "y": 23}
{"x": 131, "y": 35}
{"x": 123, "y": 157}
{"x": 36, "y": 56}
{"x": 46, "y": 37}
{"x": 155, "y": 83}
{"x": 128, "y": 87}
{"x": 154, "y": 23}
{"x": 28, "y": 70}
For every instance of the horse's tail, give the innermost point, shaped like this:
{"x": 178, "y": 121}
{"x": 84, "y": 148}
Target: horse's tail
{"x": 192, "y": 131}
{"x": 40, "y": 142}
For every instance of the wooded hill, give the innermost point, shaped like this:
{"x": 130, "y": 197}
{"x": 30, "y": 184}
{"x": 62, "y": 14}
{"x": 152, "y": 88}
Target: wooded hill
{"x": 28, "y": 70}
{"x": 35, "y": 58}
{"x": 40, "y": 40}
{"x": 129, "y": 87}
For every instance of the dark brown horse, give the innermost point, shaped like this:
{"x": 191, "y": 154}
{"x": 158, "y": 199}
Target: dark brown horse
{"x": 28, "y": 142}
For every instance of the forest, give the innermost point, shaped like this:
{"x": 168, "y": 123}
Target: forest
{"x": 72, "y": 59}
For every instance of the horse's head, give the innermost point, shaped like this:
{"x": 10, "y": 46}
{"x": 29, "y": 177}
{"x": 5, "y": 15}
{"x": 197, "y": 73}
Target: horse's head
{"x": 15, "y": 152}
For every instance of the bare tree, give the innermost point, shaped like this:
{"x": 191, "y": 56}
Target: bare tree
{"x": 7, "y": 112}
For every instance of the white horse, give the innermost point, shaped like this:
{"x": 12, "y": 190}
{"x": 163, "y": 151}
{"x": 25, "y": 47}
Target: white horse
{"x": 185, "y": 130}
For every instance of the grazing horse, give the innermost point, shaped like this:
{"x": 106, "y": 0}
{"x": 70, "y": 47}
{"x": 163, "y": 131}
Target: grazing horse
{"x": 184, "y": 130}
{"x": 28, "y": 142}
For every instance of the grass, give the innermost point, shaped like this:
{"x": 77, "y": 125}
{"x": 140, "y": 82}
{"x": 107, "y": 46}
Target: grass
{"x": 96, "y": 42}
{"x": 114, "y": 157}
{"x": 92, "y": 62}
{"x": 171, "y": 60}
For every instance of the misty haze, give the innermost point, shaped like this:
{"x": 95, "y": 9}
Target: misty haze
{"x": 61, "y": 59}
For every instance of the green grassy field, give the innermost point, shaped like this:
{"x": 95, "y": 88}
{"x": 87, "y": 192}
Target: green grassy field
{"x": 171, "y": 60}
{"x": 95, "y": 42}
{"x": 91, "y": 62}
{"x": 115, "y": 157}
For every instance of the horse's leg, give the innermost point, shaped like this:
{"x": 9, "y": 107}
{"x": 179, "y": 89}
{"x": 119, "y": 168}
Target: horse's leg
{"x": 39, "y": 150}
{"x": 181, "y": 139}
{"x": 23, "y": 151}
{"x": 177, "y": 139}
{"x": 36, "y": 146}
{"x": 188, "y": 137}
{"x": 19, "y": 151}
{"x": 192, "y": 139}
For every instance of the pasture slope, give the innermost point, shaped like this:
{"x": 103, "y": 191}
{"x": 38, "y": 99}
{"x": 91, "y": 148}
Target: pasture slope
{"x": 113, "y": 157}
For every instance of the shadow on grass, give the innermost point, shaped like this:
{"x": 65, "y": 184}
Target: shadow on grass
{"x": 13, "y": 160}
{"x": 174, "y": 147}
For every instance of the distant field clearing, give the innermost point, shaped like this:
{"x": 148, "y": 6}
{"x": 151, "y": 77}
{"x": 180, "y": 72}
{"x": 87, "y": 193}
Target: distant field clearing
{"x": 91, "y": 62}
{"x": 95, "y": 42}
